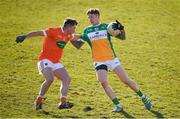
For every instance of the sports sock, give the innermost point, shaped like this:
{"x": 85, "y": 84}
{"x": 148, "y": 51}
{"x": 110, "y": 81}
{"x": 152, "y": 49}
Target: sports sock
{"x": 145, "y": 99}
{"x": 140, "y": 94}
{"x": 116, "y": 102}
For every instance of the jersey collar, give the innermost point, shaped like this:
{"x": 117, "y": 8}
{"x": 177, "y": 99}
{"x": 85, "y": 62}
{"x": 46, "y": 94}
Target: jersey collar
{"x": 62, "y": 30}
{"x": 96, "y": 24}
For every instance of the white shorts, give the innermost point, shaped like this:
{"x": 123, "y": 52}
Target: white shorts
{"x": 47, "y": 63}
{"x": 111, "y": 64}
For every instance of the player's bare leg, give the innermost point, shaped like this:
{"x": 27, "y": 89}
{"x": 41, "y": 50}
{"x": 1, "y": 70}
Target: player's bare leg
{"x": 102, "y": 77}
{"x": 49, "y": 78}
{"x": 119, "y": 70}
{"x": 121, "y": 73}
{"x": 63, "y": 75}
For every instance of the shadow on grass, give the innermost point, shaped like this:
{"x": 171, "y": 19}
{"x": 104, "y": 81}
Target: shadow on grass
{"x": 157, "y": 114}
{"x": 43, "y": 112}
{"x": 55, "y": 115}
{"x": 127, "y": 115}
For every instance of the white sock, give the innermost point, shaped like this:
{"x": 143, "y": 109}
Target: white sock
{"x": 118, "y": 105}
{"x": 143, "y": 96}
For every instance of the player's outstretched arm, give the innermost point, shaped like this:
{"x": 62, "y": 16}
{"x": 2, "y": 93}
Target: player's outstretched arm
{"x": 21, "y": 38}
{"x": 76, "y": 42}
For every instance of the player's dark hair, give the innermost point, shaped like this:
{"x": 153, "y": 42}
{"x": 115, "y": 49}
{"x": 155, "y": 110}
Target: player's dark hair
{"x": 69, "y": 22}
{"x": 93, "y": 11}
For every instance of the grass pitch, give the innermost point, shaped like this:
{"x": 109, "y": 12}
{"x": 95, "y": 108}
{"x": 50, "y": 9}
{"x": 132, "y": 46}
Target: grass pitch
{"x": 150, "y": 56}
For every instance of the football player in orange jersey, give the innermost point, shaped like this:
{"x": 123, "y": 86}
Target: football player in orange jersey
{"x": 105, "y": 58}
{"x": 49, "y": 63}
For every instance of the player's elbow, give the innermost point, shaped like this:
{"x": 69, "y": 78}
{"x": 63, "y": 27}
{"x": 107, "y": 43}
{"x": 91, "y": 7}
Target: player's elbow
{"x": 121, "y": 35}
{"x": 79, "y": 44}
{"x": 78, "y": 47}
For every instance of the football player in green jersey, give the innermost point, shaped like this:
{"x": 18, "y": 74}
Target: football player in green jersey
{"x": 105, "y": 58}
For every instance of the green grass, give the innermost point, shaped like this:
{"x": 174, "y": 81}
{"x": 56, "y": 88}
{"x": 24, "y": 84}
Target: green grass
{"x": 150, "y": 56}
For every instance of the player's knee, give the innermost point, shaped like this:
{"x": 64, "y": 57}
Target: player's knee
{"x": 49, "y": 81}
{"x": 128, "y": 81}
{"x": 104, "y": 83}
{"x": 67, "y": 80}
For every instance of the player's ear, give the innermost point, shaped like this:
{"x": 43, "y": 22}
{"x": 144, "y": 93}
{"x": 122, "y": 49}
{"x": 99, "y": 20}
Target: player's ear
{"x": 98, "y": 16}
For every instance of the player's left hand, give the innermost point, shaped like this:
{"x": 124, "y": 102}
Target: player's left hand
{"x": 118, "y": 26}
{"x": 20, "y": 39}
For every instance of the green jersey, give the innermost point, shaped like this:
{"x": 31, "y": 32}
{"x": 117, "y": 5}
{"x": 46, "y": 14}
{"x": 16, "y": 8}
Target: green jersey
{"x": 100, "y": 42}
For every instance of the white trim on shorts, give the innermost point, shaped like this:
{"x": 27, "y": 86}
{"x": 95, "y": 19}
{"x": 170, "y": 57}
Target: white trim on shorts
{"x": 47, "y": 63}
{"x": 111, "y": 64}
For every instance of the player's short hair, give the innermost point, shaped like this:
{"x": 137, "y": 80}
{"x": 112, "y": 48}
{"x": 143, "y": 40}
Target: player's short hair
{"x": 69, "y": 22}
{"x": 93, "y": 11}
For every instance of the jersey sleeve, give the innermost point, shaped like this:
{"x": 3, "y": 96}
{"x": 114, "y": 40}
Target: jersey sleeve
{"x": 50, "y": 33}
{"x": 106, "y": 24}
{"x": 71, "y": 37}
{"x": 84, "y": 36}
{"x": 44, "y": 32}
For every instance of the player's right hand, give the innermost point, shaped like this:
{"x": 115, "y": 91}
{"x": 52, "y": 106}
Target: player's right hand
{"x": 118, "y": 25}
{"x": 20, "y": 39}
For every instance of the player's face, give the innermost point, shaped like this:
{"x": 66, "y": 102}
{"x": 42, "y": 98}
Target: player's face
{"x": 71, "y": 29}
{"x": 93, "y": 19}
